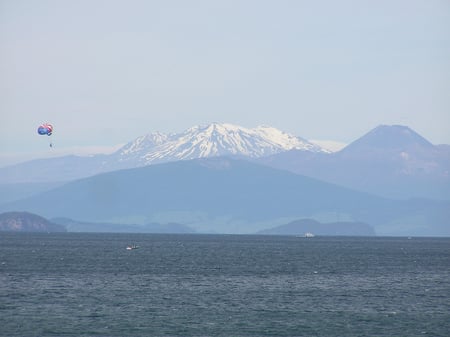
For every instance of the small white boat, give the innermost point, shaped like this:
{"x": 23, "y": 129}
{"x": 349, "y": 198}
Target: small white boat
{"x": 309, "y": 235}
{"x": 131, "y": 247}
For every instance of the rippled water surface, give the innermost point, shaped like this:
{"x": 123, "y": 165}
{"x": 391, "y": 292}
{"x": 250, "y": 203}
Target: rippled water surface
{"x": 75, "y": 284}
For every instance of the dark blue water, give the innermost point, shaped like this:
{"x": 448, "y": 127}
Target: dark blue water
{"x": 200, "y": 285}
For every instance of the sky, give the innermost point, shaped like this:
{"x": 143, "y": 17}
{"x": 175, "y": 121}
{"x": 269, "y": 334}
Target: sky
{"x": 104, "y": 72}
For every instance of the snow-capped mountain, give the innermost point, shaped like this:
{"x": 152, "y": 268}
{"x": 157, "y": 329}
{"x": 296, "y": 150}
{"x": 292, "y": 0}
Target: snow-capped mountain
{"x": 211, "y": 140}
{"x": 391, "y": 161}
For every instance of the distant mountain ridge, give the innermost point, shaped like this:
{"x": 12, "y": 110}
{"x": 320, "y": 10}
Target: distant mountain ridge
{"x": 303, "y": 226}
{"x": 391, "y": 161}
{"x": 211, "y": 140}
{"x": 225, "y": 195}
{"x": 89, "y": 227}
{"x": 206, "y": 141}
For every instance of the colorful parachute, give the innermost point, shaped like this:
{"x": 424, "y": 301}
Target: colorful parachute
{"x": 45, "y": 129}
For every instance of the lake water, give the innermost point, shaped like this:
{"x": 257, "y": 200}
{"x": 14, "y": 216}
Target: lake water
{"x": 73, "y": 284}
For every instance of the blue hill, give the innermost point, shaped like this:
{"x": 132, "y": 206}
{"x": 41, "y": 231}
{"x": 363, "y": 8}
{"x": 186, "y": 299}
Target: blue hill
{"x": 241, "y": 196}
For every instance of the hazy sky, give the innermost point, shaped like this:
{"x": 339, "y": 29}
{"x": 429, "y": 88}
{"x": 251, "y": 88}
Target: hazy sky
{"x": 105, "y": 72}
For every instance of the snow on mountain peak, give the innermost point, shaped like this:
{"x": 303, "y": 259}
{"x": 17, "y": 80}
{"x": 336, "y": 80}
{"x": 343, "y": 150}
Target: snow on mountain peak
{"x": 144, "y": 142}
{"x": 212, "y": 140}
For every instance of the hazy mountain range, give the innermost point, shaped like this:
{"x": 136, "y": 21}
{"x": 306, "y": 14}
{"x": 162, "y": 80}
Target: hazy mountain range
{"x": 303, "y": 226}
{"x": 207, "y": 141}
{"x": 216, "y": 179}
{"x": 390, "y": 161}
{"x": 228, "y": 196}
{"x": 103, "y": 227}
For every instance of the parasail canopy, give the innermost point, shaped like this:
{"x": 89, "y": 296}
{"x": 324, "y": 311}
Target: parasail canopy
{"x": 45, "y": 129}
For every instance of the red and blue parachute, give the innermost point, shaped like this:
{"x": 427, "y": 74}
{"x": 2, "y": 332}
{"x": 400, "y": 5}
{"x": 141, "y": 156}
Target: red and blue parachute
{"x": 45, "y": 129}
